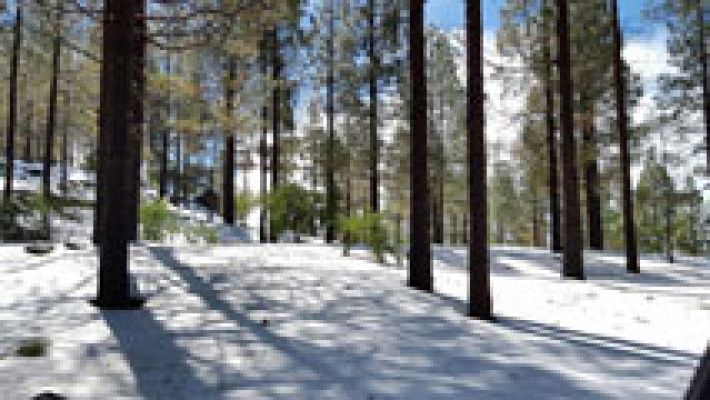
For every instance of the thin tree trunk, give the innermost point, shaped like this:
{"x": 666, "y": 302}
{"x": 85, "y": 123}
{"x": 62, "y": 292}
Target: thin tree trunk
{"x": 591, "y": 180}
{"x": 29, "y": 117}
{"x": 374, "y": 137}
{"x": 331, "y": 201}
{"x": 420, "y": 274}
{"x": 632, "y": 262}
{"x": 276, "y": 120}
{"x": 670, "y": 205}
{"x": 454, "y": 229}
{"x": 64, "y": 185}
{"x": 51, "y": 124}
{"x": 706, "y": 87}
{"x": 479, "y": 284}
{"x": 228, "y": 172}
{"x": 12, "y": 104}
{"x": 165, "y": 142}
{"x": 552, "y": 169}
{"x": 263, "y": 152}
{"x": 572, "y": 264}
{"x": 177, "y": 172}
{"x": 536, "y": 240}
{"x": 113, "y": 280}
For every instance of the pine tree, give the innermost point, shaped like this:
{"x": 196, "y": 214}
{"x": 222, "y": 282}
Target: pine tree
{"x": 420, "y": 274}
{"x": 572, "y": 263}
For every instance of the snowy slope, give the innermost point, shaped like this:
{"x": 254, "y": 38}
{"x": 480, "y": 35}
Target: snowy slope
{"x": 301, "y": 322}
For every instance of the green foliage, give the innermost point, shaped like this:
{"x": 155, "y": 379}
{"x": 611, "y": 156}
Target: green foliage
{"x": 207, "y": 233}
{"x": 243, "y": 203}
{"x": 157, "y": 220}
{"x": 367, "y": 228}
{"x": 293, "y": 207}
{"x": 13, "y": 222}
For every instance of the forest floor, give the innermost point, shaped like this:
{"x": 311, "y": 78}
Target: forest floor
{"x": 290, "y": 321}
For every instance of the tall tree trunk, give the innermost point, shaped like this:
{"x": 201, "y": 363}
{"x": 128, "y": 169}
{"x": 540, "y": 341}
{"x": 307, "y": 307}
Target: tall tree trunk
{"x": 454, "y": 229}
{"x": 479, "y": 275}
{"x": 165, "y": 142}
{"x": 29, "y": 119}
{"x": 263, "y": 152}
{"x": 591, "y": 180}
{"x": 552, "y": 168}
{"x": 374, "y": 137}
{"x": 64, "y": 185}
{"x": 276, "y": 120}
{"x": 670, "y": 208}
{"x": 420, "y": 274}
{"x": 113, "y": 280}
{"x": 632, "y": 261}
{"x": 700, "y": 9}
{"x": 572, "y": 263}
{"x": 331, "y": 201}
{"x": 228, "y": 172}
{"x": 51, "y": 123}
{"x": 700, "y": 385}
{"x": 536, "y": 240}
{"x": 137, "y": 119}
{"x": 12, "y": 104}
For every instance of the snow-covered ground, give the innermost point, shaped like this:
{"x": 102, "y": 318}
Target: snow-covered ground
{"x": 301, "y": 322}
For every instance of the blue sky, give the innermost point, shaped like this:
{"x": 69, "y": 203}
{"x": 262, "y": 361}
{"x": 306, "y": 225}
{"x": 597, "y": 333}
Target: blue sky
{"x": 449, "y": 14}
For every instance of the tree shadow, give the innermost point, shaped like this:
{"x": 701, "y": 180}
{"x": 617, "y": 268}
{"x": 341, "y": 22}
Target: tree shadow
{"x": 611, "y": 346}
{"x": 362, "y": 344}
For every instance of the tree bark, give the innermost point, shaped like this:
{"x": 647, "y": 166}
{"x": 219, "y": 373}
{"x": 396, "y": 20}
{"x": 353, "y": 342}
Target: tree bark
{"x": 137, "y": 119}
{"x": 479, "y": 285}
{"x": 374, "y": 137}
{"x": 165, "y": 143}
{"x": 12, "y": 104}
{"x": 29, "y": 119}
{"x": 700, "y": 385}
{"x": 420, "y": 274}
{"x": 51, "y": 115}
{"x": 632, "y": 261}
{"x": 64, "y": 185}
{"x": 572, "y": 263}
{"x": 704, "y": 67}
{"x": 591, "y": 180}
{"x": 276, "y": 120}
{"x": 263, "y": 152}
{"x": 113, "y": 281}
{"x": 552, "y": 168}
{"x": 228, "y": 171}
{"x": 331, "y": 201}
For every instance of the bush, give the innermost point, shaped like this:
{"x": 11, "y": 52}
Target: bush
{"x": 19, "y": 222}
{"x": 243, "y": 203}
{"x": 293, "y": 208}
{"x": 204, "y": 232}
{"x": 157, "y": 220}
{"x": 367, "y": 228}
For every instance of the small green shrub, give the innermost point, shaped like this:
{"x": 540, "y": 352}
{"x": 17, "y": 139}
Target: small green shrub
{"x": 204, "y": 232}
{"x": 157, "y": 220}
{"x": 243, "y": 203}
{"x": 367, "y": 228}
{"x": 294, "y": 208}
